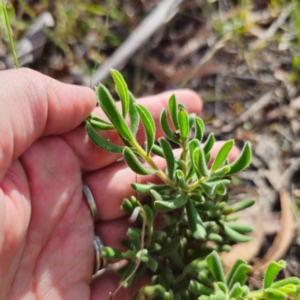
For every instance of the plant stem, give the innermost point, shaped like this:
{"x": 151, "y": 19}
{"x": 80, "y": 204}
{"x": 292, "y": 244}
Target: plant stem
{"x": 9, "y": 33}
{"x": 197, "y": 183}
{"x": 150, "y": 161}
{"x": 184, "y": 157}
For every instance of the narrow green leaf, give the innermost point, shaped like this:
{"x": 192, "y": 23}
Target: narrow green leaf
{"x": 149, "y": 126}
{"x": 222, "y": 155}
{"x": 274, "y": 294}
{"x": 233, "y": 270}
{"x": 149, "y": 216}
{"x": 236, "y": 236}
{"x": 135, "y": 164}
{"x": 156, "y": 196}
{"x": 152, "y": 263}
{"x": 199, "y": 289}
{"x": 236, "y": 291}
{"x": 169, "y": 156}
{"x": 194, "y": 221}
{"x": 241, "y": 228}
{"x": 173, "y": 111}
{"x": 180, "y": 180}
{"x": 145, "y": 188}
{"x": 209, "y": 189}
{"x": 240, "y": 274}
{"x": 222, "y": 171}
{"x": 272, "y": 271}
{"x": 215, "y": 266}
{"x": 127, "y": 206}
{"x": 222, "y": 287}
{"x": 157, "y": 151}
{"x": 109, "y": 252}
{"x": 215, "y": 237}
{"x": 166, "y": 128}
{"x": 209, "y": 143}
{"x": 242, "y": 161}
{"x": 208, "y": 205}
{"x": 183, "y": 121}
{"x": 135, "y": 238}
{"x": 122, "y": 90}
{"x": 133, "y": 115}
{"x": 192, "y": 118}
{"x": 100, "y": 141}
{"x": 100, "y": 124}
{"x": 164, "y": 206}
{"x": 200, "y": 163}
{"x": 199, "y": 129}
{"x": 109, "y": 107}
{"x": 286, "y": 281}
{"x": 193, "y": 144}
{"x": 243, "y": 204}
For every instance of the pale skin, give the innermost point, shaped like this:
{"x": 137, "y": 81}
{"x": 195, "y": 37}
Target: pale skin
{"x": 46, "y": 229}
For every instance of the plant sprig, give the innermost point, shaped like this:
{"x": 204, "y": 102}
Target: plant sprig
{"x": 181, "y": 258}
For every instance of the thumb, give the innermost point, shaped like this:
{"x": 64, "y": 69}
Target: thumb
{"x": 34, "y": 105}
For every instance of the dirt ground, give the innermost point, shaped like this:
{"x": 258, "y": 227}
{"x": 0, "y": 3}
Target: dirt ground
{"x": 242, "y": 57}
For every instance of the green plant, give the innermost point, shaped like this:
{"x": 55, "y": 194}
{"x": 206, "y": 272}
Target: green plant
{"x": 181, "y": 258}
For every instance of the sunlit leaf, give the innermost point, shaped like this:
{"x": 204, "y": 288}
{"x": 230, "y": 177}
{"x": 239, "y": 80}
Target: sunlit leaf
{"x": 149, "y": 126}
{"x": 215, "y": 266}
{"x": 183, "y": 122}
{"x": 200, "y": 163}
{"x": 236, "y": 236}
{"x": 169, "y": 156}
{"x": 173, "y": 111}
{"x": 272, "y": 271}
{"x": 242, "y": 161}
{"x": 122, "y": 90}
{"x": 209, "y": 143}
{"x": 133, "y": 115}
{"x": 108, "y": 105}
{"x": 199, "y": 129}
{"x": 222, "y": 155}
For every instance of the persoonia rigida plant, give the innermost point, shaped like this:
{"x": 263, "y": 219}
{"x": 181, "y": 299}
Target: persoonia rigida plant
{"x": 192, "y": 200}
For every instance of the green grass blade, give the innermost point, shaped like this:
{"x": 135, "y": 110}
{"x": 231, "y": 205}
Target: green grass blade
{"x": 10, "y": 35}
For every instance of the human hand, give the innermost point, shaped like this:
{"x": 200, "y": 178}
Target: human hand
{"x": 46, "y": 230}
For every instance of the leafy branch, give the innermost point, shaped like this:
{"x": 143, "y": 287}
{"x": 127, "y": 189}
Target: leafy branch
{"x": 193, "y": 201}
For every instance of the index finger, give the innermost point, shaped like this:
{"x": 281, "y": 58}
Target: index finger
{"x": 92, "y": 157}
